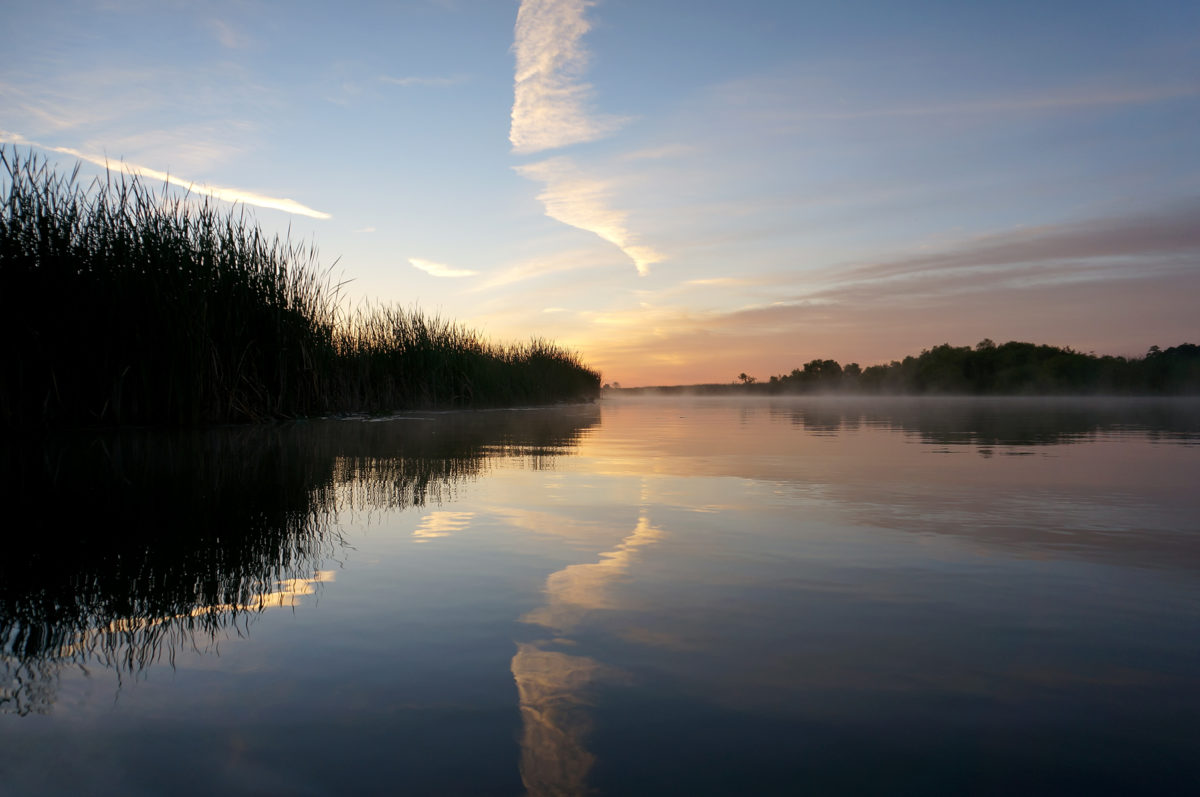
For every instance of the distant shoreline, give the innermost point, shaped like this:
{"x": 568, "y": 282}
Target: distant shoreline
{"x": 1010, "y": 369}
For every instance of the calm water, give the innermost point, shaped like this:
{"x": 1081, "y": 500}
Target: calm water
{"x": 645, "y": 597}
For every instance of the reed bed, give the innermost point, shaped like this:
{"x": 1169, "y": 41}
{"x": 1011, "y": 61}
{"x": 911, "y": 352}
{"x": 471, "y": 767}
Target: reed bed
{"x": 123, "y": 305}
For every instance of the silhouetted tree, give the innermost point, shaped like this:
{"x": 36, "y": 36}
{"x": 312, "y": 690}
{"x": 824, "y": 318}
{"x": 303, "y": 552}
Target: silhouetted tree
{"x": 1008, "y": 369}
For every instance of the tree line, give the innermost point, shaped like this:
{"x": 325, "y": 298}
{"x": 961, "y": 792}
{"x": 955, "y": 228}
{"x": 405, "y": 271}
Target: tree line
{"x": 1013, "y": 368}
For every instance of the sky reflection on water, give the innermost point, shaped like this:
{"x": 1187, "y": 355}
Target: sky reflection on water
{"x": 698, "y": 596}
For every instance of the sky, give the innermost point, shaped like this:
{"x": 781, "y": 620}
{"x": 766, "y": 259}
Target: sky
{"x": 681, "y": 191}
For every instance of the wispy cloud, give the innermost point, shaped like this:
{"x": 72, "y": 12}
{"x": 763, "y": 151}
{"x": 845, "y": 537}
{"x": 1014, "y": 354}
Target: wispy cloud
{"x": 439, "y": 269}
{"x": 222, "y": 193}
{"x": 721, "y": 281}
{"x": 72, "y": 102}
{"x": 229, "y": 36}
{"x": 188, "y": 148}
{"x": 582, "y": 201}
{"x": 549, "y": 101}
{"x": 364, "y": 230}
{"x": 1044, "y": 102}
{"x": 1173, "y": 230}
{"x": 793, "y": 99}
{"x": 661, "y": 153}
{"x": 423, "y": 81}
{"x": 535, "y": 268}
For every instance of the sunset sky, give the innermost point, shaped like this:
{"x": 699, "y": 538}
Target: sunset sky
{"x": 680, "y": 190}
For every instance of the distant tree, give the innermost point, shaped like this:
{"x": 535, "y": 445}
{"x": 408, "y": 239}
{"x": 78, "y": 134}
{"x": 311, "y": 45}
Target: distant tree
{"x": 746, "y": 380}
{"x": 823, "y": 369}
{"x": 822, "y": 375}
{"x": 1174, "y": 370}
{"x": 1005, "y": 369}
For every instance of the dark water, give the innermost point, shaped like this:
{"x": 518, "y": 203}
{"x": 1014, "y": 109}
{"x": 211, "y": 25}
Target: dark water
{"x": 680, "y": 597}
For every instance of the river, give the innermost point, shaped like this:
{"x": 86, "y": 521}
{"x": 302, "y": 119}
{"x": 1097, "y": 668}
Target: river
{"x": 641, "y": 596}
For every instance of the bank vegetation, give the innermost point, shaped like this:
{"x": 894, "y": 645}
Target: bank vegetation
{"x": 124, "y": 305}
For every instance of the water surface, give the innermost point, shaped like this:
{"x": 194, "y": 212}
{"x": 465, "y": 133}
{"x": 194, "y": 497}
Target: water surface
{"x": 699, "y": 596}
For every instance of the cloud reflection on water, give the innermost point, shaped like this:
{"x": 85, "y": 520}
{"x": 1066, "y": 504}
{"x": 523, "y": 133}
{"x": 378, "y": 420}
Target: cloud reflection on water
{"x": 578, "y": 589}
{"x": 553, "y": 687}
{"x": 441, "y": 524}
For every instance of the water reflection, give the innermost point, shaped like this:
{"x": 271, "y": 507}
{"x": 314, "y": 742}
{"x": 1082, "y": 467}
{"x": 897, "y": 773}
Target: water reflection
{"x": 576, "y": 590}
{"x": 1102, "y": 480}
{"x": 441, "y": 524}
{"x": 554, "y": 686}
{"x": 141, "y": 544}
{"x": 851, "y": 582}
{"x": 996, "y": 421}
{"x": 694, "y": 597}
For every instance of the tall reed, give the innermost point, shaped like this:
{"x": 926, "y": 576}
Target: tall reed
{"x": 119, "y": 304}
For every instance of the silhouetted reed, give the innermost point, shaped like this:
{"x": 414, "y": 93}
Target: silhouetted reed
{"x": 389, "y": 358}
{"x": 122, "y": 305}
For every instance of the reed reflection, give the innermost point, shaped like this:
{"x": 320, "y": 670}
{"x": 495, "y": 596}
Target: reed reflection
{"x": 139, "y": 545}
{"x": 554, "y": 686}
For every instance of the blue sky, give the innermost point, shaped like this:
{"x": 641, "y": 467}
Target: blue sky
{"x": 680, "y": 190}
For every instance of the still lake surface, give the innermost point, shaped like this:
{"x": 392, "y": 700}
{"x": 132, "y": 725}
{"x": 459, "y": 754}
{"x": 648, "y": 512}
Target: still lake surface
{"x": 643, "y": 596}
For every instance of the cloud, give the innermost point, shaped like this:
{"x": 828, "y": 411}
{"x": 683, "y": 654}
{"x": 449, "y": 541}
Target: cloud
{"x": 581, "y": 201}
{"x": 535, "y": 268}
{"x": 185, "y": 148}
{"x": 721, "y": 281}
{"x": 229, "y": 36}
{"x": 549, "y": 103}
{"x": 364, "y": 230}
{"x": 423, "y": 81}
{"x": 661, "y": 153}
{"x": 221, "y": 193}
{"x": 1044, "y": 102}
{"x": 1172, "y": 230}
{"x": 439, "y": 269}
{"x": 1109, "y": 253}
{"x": 838, "y": 92}
{"x": 77, "y": 101}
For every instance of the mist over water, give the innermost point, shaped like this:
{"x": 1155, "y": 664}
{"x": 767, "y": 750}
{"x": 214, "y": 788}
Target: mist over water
{"x": 646, "y": 595}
